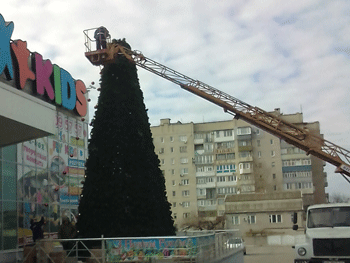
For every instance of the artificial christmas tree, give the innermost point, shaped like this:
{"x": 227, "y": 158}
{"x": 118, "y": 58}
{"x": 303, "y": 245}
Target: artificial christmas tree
{"x": 124, "y": 191}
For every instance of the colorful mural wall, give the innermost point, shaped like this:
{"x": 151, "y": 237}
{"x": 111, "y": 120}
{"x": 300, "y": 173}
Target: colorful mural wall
{"x": 50, "y": 175}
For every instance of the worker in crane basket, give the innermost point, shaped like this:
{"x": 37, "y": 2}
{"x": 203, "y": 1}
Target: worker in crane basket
{"x": 101, "y": 35}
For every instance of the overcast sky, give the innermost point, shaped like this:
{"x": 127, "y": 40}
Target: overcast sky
{"x": 292, "y": 55}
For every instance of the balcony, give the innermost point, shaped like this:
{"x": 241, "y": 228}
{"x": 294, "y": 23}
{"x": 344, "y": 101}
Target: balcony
{"x": 246, "y": 148}
{"x": 244, "y": 137}
{"x": 246, "y": 170}
{"x": 224, "y": 150}
{"x": 246, "y": 159}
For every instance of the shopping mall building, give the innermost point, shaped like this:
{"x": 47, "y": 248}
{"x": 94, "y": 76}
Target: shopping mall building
{"x": 43, "y": 142}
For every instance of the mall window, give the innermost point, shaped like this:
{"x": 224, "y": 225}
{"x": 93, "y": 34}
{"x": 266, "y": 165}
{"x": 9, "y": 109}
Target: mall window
{"x": 275, "y": 218}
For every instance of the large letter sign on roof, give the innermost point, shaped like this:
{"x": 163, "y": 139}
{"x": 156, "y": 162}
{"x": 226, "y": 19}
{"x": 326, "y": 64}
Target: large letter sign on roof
{"x": 5, "y": 59}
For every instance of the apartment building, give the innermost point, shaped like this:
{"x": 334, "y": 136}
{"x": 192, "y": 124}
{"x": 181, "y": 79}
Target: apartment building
{"x": 203, "y": 163}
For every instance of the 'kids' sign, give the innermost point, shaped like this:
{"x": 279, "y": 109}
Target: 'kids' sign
{"x": 51, "y": 81}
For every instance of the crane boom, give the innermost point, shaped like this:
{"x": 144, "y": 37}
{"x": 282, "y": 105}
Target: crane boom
{"x": 292, "y": 134}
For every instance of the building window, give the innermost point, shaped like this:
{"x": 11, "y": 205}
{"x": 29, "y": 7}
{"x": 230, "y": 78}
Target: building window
{"x": 245, "y": 154}
{"x": 275, "y": 218}
{"x": 228, "y": 168}
{"x": 173, "y": 182}
{"x": 201, "y": 181}
{"x": 273, "y": 153}
{"x": 201, "y": 192}
{"x": 171, "y": 138}
{"x": 184, "y": 160}
{"x": 183, "y": 171}
{"x": 226, "y": 190}
{"x": 271, "y": 141}
{"x": 251, "y": 219}
{"x": 171, "y": 149}
{"x": 185, "y": 181}
{"x": 186, "y": 204}
{"x": 235, "y": 220}
{"x": 161, "y": 139}
{"x": 186, "y": 215}
{"x": 287, "y": 186}
{"x": 274, "y": 176}
{"x": 174, "y": 204}
{"x": 186, "y": 193}
{"x": 221, "y": 178}
{"x": 161, "y": 150}
{"x": 183, "y": 149}
{"x": 172, "y": 161}
{"x": 162, "y": 161}
{"x": 273, "y": 164}
{"x": 244, "y": 130}
{"x": 210, "y": 179}
{"x": 246, "y": 177}
{"x": 227, "y": 133}
{"x": 257, "y": 132}
{"x": 172, "y": 171}
{"x": 232, "y": 178}
{"x": 244, "y": 166}
{"x": 201, "y": 203}
{"x": 259, "y": 154}
{"x": 174, "y": 193}
{"x": 183, "y": 138}
{"x": 274, "y": 187}
{"x": 258, "y": 142}
{"x": 221, "y": 212}
{"x": 175, "y": 215}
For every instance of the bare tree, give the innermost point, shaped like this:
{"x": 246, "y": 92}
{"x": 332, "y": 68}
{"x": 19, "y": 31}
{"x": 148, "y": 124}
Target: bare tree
{"x": 200, "y": 223}
{"x": 339, "y": 198}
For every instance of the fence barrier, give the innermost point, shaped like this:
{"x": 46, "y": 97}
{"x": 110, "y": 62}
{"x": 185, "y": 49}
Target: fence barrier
{"x": 198, "y": 247}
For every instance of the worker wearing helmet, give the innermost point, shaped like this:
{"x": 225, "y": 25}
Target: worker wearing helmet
{"x": 101, "y": 35}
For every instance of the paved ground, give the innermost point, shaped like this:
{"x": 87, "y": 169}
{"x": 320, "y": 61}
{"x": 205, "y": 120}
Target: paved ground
{"x": 269, "y": 254}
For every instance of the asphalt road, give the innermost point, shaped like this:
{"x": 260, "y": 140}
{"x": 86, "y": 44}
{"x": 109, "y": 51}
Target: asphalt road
{"x": 269, "y": 254}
